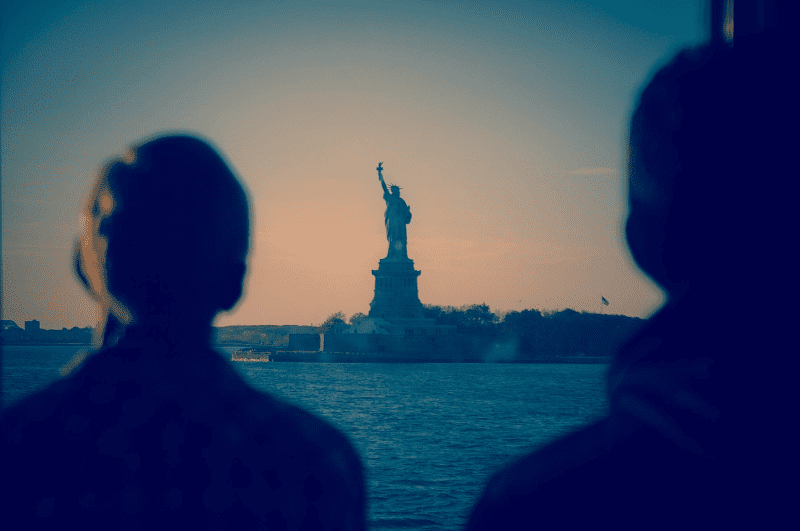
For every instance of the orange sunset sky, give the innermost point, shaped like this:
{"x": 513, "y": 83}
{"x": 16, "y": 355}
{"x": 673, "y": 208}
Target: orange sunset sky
{"x": 504, "y": 125}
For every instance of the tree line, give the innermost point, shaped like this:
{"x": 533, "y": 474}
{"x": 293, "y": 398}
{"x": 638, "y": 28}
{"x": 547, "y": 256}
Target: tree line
{"x": 537, "y": 333}
{"x": 543, "y": 333}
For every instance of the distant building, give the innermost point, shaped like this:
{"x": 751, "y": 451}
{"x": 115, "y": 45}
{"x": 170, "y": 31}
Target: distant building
{"x": 32, "y": 325}
{"x": 8, "y": 325}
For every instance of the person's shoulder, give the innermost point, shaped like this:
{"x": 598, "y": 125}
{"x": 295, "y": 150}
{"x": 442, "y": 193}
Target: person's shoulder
{"x": 325, "y": 449}
{"x": 530, "y": 472}
{"x": 271, "y": 421}
{"x": 292, "y": 430}
{"x": 615, "y": 469}
{"x": 295, "y": 450}
{"x": 37, "y": 409}
{"x": 527, "y": 489}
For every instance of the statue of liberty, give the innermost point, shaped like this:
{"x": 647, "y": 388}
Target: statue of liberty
{"x": 397, "y": 216}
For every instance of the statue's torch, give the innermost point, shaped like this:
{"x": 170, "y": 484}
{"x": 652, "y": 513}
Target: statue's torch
{"x": 380, "y": 177}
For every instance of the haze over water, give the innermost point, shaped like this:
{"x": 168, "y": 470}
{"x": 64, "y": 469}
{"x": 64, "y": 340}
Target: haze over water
{"x": 505, "y": 126}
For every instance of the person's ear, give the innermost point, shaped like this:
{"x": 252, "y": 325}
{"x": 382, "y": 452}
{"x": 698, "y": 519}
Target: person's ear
{"x": 231, "y": 285}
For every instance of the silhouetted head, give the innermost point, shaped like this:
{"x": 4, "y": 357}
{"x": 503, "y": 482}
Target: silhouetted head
{"x": 704, "y": 137}
{"x": 165, "y": 234}
{"x": 395, "y": 190}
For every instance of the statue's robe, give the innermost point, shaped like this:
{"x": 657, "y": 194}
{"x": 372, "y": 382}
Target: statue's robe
{"x": 396, "y": 217}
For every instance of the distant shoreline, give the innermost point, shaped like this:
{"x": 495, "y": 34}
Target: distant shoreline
{"x": 43, "y": 344}
{"x": 285, "y": 356}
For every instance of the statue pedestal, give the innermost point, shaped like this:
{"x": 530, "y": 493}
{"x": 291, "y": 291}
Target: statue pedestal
{"x": 396, "y": 293}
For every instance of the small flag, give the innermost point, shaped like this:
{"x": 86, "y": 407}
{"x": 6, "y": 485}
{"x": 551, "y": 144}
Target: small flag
{"x": 604, "y": 300}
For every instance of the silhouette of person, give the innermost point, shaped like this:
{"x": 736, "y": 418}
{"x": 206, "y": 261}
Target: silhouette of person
{"x": 156, "y": 429}
{"x": 697, "y": 430}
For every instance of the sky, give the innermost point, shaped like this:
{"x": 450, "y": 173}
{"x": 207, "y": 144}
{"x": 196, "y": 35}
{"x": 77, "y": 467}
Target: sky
{"x": 505, "y": 124}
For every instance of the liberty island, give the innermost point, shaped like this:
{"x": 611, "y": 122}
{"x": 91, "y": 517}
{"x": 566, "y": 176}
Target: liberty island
{"x": 399, "y": 328}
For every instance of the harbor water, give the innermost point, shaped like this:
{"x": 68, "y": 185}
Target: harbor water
{"x": 429, "y": 435}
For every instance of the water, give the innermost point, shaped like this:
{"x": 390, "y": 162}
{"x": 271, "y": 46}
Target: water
{"x": 429, "y": 434}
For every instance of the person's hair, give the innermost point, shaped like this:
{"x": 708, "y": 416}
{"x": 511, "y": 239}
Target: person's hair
{"x": 703, "y": 136}
{"x": 681, "y": 129}
{"x": 180, "y": 219}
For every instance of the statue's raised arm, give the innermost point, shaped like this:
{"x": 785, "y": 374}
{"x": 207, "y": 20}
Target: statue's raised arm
{"x": 380, "y": 177}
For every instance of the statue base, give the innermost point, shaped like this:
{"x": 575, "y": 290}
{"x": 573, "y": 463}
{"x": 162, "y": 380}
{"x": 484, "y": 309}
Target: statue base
{"x": 396, "y": 293}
